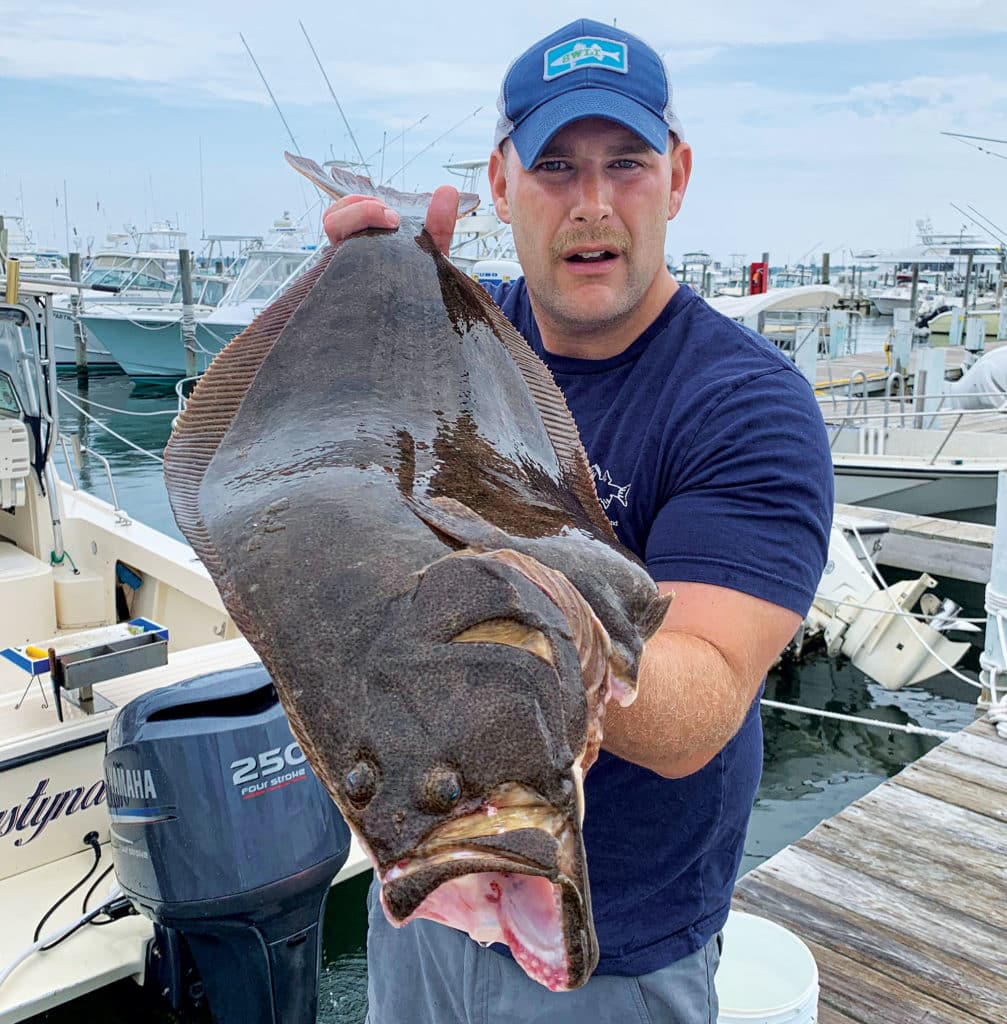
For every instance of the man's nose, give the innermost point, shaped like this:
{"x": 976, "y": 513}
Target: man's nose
{"x": 593, "y": 201}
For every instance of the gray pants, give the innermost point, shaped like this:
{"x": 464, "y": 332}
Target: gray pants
{"x": 427, "y": 973}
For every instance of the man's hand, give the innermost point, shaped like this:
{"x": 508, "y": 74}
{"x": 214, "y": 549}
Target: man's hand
{"x": 352, "y": 214}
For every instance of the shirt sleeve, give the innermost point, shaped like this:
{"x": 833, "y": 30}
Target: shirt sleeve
{"x": 750, "y": 503}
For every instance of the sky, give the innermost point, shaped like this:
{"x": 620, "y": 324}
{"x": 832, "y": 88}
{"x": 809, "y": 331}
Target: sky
{"x": 815, "y": 127}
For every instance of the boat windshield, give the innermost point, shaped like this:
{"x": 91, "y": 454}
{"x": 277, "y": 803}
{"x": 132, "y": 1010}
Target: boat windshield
{"x": 265, "y": 274}
{"x": 109, "y": 271}
{"x": 206, "y": 291}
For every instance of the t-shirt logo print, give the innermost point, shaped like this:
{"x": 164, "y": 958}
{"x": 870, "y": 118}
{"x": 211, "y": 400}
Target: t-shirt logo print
{"x": 609, "y": 491}
{"x": 608, "y": 54}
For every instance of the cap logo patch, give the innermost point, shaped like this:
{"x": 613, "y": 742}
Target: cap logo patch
{"x": 589, "y": 52}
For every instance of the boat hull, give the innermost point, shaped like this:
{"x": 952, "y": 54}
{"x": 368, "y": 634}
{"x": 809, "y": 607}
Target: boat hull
{"x": 150, "y": 349}
{"x": 951, "y": 492}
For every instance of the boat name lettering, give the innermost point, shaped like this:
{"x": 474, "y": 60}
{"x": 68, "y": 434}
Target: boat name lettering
{"x": 34, "y": 814}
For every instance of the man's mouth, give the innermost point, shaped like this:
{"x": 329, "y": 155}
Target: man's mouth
{"x": 592, "y": 256}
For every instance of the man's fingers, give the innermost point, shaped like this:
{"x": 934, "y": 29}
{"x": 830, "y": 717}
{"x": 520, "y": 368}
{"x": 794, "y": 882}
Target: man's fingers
{"x": 441, "y": 216}
{"x": 351, "y": 214}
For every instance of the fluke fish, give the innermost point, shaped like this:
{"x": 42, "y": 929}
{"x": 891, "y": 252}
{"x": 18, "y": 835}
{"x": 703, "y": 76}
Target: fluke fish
{"x": 391, "y": 496}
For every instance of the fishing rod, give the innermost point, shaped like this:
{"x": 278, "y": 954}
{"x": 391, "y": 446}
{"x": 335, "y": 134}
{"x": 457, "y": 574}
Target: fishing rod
{"x": 431, "y": 145}
{"x": 290, "y": 134}
{"x": 982, "y": 149}
{"x": 332, "y": 93}
{"x": 391, "y": 142}
{"x": 982, "y": 227}
{"x": 1000, "y": 233}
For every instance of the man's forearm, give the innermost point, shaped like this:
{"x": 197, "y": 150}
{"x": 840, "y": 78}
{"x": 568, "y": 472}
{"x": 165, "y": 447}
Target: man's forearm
{"x": 690, "y": 703}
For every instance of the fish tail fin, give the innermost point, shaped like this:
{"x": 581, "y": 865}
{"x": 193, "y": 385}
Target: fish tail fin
{"x": 339, "y": 182}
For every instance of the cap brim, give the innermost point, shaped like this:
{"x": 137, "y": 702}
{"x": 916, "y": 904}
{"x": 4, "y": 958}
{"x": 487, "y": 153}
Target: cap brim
{"x": 531, "y": 136}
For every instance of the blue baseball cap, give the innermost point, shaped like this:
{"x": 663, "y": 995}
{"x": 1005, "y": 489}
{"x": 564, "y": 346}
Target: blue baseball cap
{"x": 585, "y": 69}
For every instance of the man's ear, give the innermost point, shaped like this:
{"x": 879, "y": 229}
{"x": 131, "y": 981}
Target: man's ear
{"x": 681, "y": 171}
{"x": 498, "y": 183}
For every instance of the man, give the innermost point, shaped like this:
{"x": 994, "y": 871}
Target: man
{"x": 712, "y": 461}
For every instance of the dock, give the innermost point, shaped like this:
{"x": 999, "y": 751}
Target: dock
{"x": 901, "y": 896}
{"x": 838, "y": 372}
{"x": 945, "y": 547}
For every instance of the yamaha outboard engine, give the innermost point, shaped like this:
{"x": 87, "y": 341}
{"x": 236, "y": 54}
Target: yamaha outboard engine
{"x": 223, "y": 836}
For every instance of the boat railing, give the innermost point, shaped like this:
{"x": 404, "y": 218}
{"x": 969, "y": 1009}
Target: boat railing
{"x": 872, "y": 428}
{"x": 893, "y": 379}
{"x": 861, "y": 377}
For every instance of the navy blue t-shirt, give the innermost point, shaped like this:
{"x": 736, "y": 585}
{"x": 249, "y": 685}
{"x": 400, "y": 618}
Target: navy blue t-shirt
{"x": 711, "y": 459}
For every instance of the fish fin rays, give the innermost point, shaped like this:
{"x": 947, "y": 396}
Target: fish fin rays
{"x": 213, "y": 405}
{"x": 339, "y": 183}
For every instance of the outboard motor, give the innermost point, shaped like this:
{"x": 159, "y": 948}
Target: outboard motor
{"x": 223, "y": 836}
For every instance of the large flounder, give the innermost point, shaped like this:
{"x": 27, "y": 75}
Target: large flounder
{"x": 391, "y": 496}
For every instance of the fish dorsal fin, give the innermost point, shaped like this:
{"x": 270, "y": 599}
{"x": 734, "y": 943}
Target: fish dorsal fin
{"x": 549, "y": 400}
{"x": 339, "y": 183}
{"x": 213, "y": 405}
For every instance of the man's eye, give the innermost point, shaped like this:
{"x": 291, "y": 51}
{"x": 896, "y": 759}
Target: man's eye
{"x": 626, "y": 164}
{"x": 551, "y": 166}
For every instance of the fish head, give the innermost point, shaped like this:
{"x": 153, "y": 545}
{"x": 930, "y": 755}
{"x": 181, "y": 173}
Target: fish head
{"x": 464, "y": 781}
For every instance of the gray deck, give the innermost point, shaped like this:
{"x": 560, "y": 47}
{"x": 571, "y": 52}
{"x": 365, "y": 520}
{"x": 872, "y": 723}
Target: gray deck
{"x": 901, "y": 896}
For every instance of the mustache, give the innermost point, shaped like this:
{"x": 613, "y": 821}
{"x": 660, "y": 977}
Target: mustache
{"x": 605, "y": 238}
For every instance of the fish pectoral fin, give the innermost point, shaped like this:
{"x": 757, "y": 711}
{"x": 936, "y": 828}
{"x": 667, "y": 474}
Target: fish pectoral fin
{"x": 341, "y": 183}
{"x": 458, "y": 523}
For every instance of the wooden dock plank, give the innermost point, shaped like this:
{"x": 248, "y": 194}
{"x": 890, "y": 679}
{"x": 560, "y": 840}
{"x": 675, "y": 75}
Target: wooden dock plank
{"x": 868, "y": 996}
{"x": 885, "y": 903}
{"x": 914, "y": 862}
{"x": 900, "y": 895}
{"x": 910, "y": 813}
{"x": 984, "y": 748}
{"x": 953, "y": 790}
{"x": 922, "y": 967}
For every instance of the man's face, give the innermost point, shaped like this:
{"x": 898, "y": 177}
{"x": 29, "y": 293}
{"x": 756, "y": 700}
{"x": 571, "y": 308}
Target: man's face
{"x": 589, "y": 221}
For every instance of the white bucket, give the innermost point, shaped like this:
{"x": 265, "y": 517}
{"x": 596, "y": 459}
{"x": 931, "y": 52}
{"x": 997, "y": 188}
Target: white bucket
{"x": 767, "y": 975}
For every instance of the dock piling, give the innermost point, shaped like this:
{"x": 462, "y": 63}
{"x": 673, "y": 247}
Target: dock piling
{"x": 188, "y": 319}
{"x": 957, "y": 327}
{"x": 993, "y": 660}
{"x": 79, "y": 338}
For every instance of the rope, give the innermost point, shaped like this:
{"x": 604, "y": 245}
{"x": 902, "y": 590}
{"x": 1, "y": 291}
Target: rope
{"x": 908, "y": 615}
{"x": 914, "y": 730}
{"x": 950, "y": 668}
{"x": 109, "y": 408}
{"x": 109, "y": 430}
{"x": 156, "y": 327}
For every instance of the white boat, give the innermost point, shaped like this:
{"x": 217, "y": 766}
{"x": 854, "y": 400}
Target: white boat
{"x": 141, "y": 267}
{"x": 946, "y": 471}
{"x": 145, "y": 339}
{"x": 800, "y": 297}
{"x": 98, "y": 611}
{"x": 940, "y": 325}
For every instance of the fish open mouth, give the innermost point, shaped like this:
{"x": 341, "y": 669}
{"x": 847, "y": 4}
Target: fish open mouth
{"x": 512, "y": 872}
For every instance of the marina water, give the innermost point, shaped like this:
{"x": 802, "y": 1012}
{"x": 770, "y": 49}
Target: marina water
{"x": 813, "y": 767}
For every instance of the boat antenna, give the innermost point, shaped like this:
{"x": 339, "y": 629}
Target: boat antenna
{"x": 202, "y": 204}
{"x": 432, "y": 144}
{"x": 290, "y": 134}
{"x": 332, "y": 93}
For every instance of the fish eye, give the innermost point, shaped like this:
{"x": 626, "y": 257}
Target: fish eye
{"x": 360, "y": 783}
{"x": 442, "y": 790}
